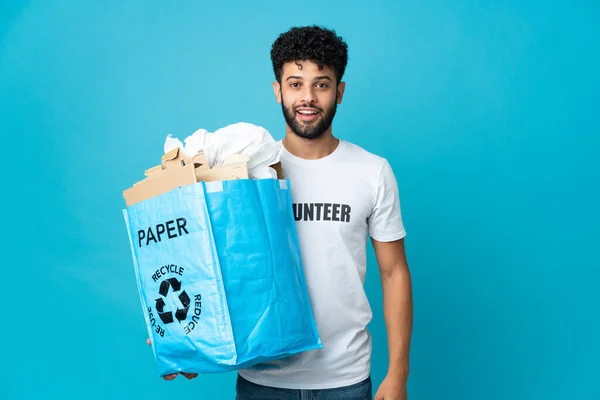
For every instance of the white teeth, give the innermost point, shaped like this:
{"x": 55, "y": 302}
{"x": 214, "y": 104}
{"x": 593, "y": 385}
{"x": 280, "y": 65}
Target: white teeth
{"x": 307, "y": 112}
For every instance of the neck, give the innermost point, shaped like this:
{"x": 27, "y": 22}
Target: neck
{"x": 310, "y": 149}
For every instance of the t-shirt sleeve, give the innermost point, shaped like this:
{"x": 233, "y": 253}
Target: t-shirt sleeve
{"x": 385, "y": 221}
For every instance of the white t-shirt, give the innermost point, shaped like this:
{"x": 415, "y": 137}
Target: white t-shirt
{"x": 339, "y": 201}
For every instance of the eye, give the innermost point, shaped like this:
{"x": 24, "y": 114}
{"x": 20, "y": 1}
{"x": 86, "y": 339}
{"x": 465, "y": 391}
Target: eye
{"x": 322, "y": 85}
{"x": 295, "y": 84}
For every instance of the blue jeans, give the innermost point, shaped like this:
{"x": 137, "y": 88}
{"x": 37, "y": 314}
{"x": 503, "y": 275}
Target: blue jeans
{"x": 250, "y": 391}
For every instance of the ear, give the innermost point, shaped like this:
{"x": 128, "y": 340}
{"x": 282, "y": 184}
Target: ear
{"x": 277, "y": 91}
{"x": 340, "y": 92}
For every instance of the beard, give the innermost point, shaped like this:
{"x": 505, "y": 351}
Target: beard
{"x": 309, "y": 130}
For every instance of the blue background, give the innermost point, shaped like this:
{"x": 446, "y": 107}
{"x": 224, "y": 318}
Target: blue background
{"x": 487, "y": 111}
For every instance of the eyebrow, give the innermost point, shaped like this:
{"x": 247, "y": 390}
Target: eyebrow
{"x": 318, "y": 78}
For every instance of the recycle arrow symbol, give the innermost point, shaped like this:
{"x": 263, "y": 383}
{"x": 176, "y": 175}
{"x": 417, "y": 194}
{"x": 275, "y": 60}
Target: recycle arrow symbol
{"x": 164, "y": 286}
{"x": 180, "y": 313}
{"x": 166, "y": 317}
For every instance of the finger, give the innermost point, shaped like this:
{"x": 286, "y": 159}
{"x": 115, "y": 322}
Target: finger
{"x": 188, "y": 375}
{"x": 169, "y": 377}
{"x": 148, "y": 342}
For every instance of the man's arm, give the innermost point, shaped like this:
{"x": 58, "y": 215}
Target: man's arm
{"x": 397, "y": 304}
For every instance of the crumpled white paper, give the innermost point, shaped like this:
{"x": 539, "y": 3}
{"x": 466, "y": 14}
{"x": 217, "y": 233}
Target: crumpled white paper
{"x": 193, "y": 143}
{"x": 239, "y": 138}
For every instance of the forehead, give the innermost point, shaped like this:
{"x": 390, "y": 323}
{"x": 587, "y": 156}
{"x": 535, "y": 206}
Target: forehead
{"x": 306, "y": 69}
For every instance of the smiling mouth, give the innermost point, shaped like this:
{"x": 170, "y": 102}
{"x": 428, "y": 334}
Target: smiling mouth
{"x": 307, "y": 114}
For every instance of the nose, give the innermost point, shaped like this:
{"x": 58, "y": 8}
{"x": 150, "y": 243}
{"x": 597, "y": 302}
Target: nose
{"x": 309, "y": 96}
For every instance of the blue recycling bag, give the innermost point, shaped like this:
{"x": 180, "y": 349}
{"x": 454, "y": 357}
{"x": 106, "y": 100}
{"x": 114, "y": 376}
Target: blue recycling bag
{"x": 220, "y": 276}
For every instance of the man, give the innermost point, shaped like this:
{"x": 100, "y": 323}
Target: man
{"x": 329, "y": 176}
{"x": 341, "y": 195}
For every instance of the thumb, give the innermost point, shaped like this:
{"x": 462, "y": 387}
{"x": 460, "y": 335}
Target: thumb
{"x": 148, "y": 342}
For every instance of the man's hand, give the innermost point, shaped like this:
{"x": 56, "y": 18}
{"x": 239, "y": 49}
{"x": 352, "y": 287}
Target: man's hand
{"x": 392, "y": 389}
{"x": 170, "y": 377}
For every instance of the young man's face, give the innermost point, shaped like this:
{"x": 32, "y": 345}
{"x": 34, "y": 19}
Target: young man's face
{"x": 308, "y": 97}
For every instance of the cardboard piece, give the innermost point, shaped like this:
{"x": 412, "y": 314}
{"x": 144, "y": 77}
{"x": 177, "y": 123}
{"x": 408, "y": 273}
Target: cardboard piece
{"x": 177, "y": 169}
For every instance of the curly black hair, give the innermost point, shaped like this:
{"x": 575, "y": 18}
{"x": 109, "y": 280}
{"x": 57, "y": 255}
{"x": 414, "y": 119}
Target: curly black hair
{"x": 310, "y": 43}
